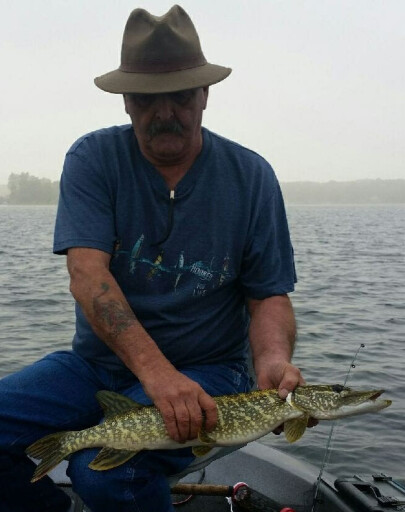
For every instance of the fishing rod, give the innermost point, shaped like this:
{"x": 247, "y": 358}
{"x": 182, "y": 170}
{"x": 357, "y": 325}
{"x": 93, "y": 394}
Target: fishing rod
{"x": 240, "y": 495}
{"x": 328, "y": 449}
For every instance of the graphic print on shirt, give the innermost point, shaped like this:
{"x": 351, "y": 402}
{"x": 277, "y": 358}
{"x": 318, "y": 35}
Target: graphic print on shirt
{"x": 179, "y": 268}
{"x": 156, "y": 267}
{"x": 207, "y": 275}
{"x": 135, "y": 253}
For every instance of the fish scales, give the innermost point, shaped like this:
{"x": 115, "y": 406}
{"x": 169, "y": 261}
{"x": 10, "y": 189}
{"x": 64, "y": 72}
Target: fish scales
{"x": 137, "y": 429}
{"x": 242, "y": 418}
{"x": 129, "y": 427}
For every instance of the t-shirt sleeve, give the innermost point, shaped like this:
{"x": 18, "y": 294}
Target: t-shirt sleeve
{"x": 268, "y": 265}
{"x": 85, "y": 210}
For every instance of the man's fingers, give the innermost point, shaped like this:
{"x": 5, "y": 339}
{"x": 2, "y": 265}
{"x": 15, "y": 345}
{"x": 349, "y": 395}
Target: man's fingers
{"x": 209, "y": 407}
{"x": 312, "y": 422}
{"x": 196, "y": 420}
{"x": 201, "y": 414}
{"x": 291, "y": 379}
{"x": 184, "y": 422}
{"x": 169, "y": 417}
{"x": 185, "y": 407}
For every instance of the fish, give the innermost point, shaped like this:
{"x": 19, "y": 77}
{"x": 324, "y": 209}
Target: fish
{"x": 129, "y": 427}
{"x": 155, "y": 266}
{"x": 225, "y": 266}
{"x": 135, "y": 253}
{"x": 179, "y": 266}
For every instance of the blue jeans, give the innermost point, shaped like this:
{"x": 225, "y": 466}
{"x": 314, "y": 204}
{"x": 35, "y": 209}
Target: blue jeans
{"x": 58, "y": 393}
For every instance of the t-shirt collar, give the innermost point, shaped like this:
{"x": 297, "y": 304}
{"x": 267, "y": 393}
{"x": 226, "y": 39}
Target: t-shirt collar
{"x": 186, "y": 184}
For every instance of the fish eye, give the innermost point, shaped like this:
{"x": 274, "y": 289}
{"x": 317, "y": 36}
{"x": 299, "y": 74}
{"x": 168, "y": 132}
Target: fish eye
{"x": 338, "y": 388}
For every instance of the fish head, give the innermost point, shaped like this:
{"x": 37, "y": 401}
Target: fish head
{"x": 327, "y": 402}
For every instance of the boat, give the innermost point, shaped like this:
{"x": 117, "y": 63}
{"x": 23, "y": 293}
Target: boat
{"x": 259, "y": 478}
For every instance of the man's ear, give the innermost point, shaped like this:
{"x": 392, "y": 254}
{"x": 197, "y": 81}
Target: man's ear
{"x": 125, "y": 102}
{"x": 205, "y": 91}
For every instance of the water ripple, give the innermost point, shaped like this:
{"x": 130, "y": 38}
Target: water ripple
{"x": 350, "y": 265}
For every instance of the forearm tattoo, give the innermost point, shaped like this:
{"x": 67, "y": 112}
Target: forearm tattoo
{"x": 114, "y": 315}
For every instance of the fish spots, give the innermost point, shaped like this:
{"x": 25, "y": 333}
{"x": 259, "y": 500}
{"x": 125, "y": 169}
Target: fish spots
{"x": 243, "y": 416}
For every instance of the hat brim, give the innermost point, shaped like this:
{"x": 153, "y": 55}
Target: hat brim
{"x": 121, "y": 82}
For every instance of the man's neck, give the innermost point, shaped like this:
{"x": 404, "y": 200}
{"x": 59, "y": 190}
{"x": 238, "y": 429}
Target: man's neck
{"x": 174, "y": 169}
{"x": 173, "y": 174}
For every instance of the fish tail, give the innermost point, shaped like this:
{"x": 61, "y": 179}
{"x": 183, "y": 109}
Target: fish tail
{"x": 51, "y": 450}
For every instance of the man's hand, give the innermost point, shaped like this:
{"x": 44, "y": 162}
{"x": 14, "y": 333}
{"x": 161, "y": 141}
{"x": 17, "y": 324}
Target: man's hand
{"x": 280, "y": 375}
{"x": 272, "y": 337}
{"x": 285, "y": 377}
{"x": 184, "y": 405}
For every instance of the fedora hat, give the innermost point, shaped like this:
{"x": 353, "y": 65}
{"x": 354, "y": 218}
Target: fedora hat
{"x": 161, "y": 54}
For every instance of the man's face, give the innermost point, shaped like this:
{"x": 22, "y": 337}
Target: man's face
{"x": 167, "y": 126}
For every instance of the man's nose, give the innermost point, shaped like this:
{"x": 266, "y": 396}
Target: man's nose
{"x": 164, "y": 107}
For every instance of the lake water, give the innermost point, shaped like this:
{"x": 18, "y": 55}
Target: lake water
{"x": 351, "y": 291}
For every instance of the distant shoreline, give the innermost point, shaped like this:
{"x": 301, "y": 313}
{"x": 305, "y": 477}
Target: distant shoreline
{"x": 376, "y": 191}
{"x": 357, "y": 192}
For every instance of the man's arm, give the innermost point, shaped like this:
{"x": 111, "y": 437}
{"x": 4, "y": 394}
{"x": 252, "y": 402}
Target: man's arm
{"x": 179, "y": 399}
{"x": 272, "y": 337}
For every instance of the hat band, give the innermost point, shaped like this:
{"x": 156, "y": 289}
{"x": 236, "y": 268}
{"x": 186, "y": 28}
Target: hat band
{"x": 162, "y": 66}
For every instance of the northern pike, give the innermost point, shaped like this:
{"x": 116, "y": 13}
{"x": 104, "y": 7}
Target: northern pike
{"x": 130, "y": 427}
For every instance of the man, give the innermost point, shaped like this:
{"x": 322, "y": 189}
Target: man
{"x": 179, "y": 254}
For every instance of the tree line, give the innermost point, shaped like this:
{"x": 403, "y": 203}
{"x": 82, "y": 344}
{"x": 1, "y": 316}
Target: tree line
{"x": 27, "y": 189}
{"x": 375, "y": 191}
{"x": 23, "y": 188}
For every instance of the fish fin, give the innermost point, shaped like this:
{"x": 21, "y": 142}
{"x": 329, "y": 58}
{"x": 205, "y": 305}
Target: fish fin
{"x": 114, "y": 403}
{"x": 108, "y": 458}
{"x": 199, "y": 451}
{"x": 50, "y": 450}
{"x": 294, "y": 429}
{"x": 204, "y": 437}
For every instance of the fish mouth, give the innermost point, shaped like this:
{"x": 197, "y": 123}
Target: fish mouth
{"x": 371, "y": 395}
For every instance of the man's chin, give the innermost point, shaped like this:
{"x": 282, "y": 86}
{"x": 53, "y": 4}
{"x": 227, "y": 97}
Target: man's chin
{"x": 166, "y": 138}
{"x": 167, "y": 147}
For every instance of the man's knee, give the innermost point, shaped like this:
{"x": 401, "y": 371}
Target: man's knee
{"x": 87, "y": 483}
{"x": 131, "y": 486}
{"x": 100, "y": 489}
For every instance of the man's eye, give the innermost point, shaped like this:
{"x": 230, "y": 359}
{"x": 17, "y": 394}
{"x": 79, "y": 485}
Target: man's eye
{"x": 143, "y": 100}
{"x": 182, "y": 97}
{"x": 146, "y": 100}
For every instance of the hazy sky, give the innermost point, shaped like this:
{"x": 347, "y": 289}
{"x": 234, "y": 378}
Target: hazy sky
{"x": 317, "y": 85}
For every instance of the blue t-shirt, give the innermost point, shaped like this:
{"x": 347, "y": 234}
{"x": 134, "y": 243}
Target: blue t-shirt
{"x": 227, "y": 239}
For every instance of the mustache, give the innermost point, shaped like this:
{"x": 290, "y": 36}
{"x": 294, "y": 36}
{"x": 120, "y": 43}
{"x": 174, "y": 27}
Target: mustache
{"x": 157, "y": 127}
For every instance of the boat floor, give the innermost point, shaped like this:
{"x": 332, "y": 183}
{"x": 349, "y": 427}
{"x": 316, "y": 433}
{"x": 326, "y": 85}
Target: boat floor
{"x": 206, "y": 503}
